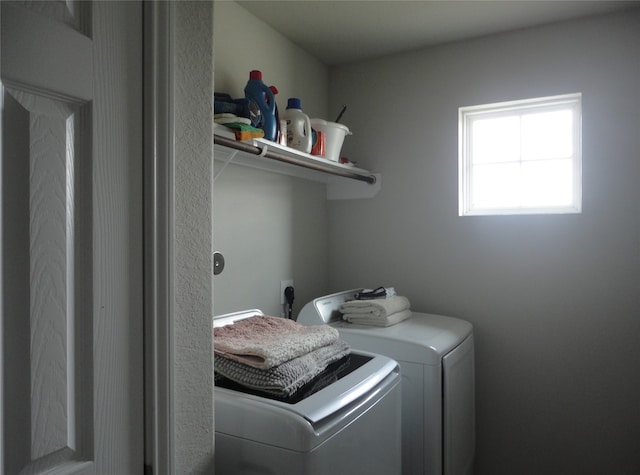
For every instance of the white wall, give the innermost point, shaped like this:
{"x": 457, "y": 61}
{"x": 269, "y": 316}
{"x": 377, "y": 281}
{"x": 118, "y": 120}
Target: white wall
{"x": 242, "y": 42}
{"x": 269, "y": 227}
{"x": 555, "y": 300}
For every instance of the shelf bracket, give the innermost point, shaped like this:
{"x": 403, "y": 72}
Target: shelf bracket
{"x": 232, "y": 155}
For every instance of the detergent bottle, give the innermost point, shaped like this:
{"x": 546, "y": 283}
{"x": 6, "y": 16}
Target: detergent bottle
{"x": 262, "y": 105}
{"x": 299, "y": 135}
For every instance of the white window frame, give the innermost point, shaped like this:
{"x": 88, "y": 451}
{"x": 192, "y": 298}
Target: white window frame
{"x": 467, "y": 115}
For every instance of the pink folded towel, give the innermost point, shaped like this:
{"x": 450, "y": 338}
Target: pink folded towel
{"x": 264, "y": 342}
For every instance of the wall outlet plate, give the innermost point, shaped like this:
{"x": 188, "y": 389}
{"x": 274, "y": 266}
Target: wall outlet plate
{"x": 283, "y": 285}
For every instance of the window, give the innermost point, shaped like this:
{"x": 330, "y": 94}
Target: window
{"x": 521, "y": 157}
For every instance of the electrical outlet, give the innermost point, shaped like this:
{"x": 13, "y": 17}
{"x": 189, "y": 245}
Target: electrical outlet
{"x": 283, "y": 285}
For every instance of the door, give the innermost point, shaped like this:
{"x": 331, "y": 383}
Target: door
{"x": 71, "y": 225}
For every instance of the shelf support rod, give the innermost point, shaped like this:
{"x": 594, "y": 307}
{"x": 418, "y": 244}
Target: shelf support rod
{"x": 274, "y": 155}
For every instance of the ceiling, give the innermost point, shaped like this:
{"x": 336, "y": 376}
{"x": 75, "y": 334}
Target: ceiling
{"x": 338, "y": 32}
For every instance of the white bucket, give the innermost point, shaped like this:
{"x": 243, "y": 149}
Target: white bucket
{"x": 334, "y": 137}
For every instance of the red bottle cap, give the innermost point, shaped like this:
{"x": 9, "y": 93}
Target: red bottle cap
{"x": 255, "y": 74}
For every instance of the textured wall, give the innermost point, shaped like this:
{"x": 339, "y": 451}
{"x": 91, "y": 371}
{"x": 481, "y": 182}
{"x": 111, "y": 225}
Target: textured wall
{"x": 554, "y": 300}
{"x": 193, "y": 208}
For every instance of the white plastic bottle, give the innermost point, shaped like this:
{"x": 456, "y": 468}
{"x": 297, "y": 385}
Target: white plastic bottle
{"x": 299, "y": 135}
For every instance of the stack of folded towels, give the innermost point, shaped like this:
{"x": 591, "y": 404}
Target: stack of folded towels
{"x": 381, "y": 312}
{"x": 273, "y": 354}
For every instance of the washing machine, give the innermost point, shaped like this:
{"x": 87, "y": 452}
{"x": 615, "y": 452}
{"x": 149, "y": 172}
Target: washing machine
{"x": 436, "y": 358}
{"x": 346, "y": 421}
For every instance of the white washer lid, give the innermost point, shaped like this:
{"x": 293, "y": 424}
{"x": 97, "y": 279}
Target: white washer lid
{"x": 308, "y": 423}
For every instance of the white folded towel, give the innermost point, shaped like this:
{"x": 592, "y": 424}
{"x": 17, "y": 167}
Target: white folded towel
{"x": 364, "y": 319}
{"x": 377, "y": 307}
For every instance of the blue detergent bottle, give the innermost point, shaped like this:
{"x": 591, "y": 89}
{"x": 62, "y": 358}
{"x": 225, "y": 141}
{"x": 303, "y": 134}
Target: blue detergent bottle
{"x": 262, "y": 105}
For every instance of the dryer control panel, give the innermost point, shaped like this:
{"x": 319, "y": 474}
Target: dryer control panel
{"x": 325, "y": 309}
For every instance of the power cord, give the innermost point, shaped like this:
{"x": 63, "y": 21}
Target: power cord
{"x": 289, "y": 297}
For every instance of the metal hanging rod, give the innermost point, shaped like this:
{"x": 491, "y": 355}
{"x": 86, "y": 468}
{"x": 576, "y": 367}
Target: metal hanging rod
{"x": 291, "y": 159}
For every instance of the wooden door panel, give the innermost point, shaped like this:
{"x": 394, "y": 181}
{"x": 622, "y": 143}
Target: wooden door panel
{"x": 47, "y": 237}
{"x": 74, "y": 13}
{"x": 63, "y": 65}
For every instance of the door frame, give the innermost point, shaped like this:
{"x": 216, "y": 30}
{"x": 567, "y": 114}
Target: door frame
{"x": 178, "y": 254}
{"x": 159, "y": 192}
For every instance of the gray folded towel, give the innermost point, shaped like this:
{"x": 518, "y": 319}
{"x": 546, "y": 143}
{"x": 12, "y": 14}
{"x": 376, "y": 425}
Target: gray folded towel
{"x": 286, "y": 378}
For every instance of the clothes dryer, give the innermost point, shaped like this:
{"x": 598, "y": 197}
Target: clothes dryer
{"x": 346, "y": 421}
{"x": 436, "y": 358}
